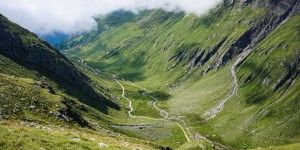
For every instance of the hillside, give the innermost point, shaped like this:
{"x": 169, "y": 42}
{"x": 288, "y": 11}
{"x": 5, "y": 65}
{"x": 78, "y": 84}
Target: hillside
{"x": 46, "y": 102}
{"x": 231, "y": 75}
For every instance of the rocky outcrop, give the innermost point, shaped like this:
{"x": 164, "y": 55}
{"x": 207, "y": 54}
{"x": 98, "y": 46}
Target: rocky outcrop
{"x": 228, "y": 3}
{"x": 176, "y": 58}
{"x": 195, "y": 58}
{"x": 66, "y": 113}
{"x": 290, "y": 75}
{"x": 212, "y": 52}
{"x": 19, "y": 44}
{"x": 198, "y": 59}
{"x": 280, "y": 10}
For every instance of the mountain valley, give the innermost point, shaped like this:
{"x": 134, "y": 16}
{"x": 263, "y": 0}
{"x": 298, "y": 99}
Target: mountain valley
{"x": 157, "y": 79}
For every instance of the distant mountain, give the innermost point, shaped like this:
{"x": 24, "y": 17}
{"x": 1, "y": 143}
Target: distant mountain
{"x": 232, "y": 73}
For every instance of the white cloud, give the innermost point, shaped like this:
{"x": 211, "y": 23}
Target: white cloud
{"x": 70, "y": 16}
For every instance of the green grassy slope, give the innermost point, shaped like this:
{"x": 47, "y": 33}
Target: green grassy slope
{"x": 258, "y": 114}
{"x": 39, "y": 113}
{"x": 22, "y": 135}
{"x": 190, "y": 57}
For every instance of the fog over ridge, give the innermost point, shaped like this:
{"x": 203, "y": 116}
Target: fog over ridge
{"x": 71, "y": 16}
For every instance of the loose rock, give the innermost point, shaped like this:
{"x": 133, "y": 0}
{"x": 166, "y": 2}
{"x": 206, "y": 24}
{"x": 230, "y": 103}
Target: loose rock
{"x": 102, "y": 145}
{"x": 76, "y": 139}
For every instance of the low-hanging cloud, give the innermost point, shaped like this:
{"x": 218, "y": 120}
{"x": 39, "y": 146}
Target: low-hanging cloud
{"x": 71, "y": 16}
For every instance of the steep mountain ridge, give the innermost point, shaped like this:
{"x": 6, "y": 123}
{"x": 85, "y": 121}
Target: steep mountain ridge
{"x": 19, "y": 44}
{"x": 279, "y": 12}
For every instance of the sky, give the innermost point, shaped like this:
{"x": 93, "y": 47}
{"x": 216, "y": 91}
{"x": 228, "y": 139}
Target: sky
{"x": 47, "y": 17}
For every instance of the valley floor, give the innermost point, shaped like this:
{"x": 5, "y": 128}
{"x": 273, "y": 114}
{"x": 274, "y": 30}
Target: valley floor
{"x": 190, "y": 134}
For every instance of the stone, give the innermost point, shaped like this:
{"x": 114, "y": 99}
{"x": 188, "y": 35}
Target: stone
{"x": 32, "y": 107}
{"x": 95, "y": 124}
{"x": 76, "y": 139}
{"x": 31, "y": 125}
{"x": 102, "y": 145}
{"x": 46, "y": 128}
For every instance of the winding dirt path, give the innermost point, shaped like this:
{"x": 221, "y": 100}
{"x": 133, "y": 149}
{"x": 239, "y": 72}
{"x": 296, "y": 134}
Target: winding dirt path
{"x": 166, "y": 115}
{"x": 131, "y": 110}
